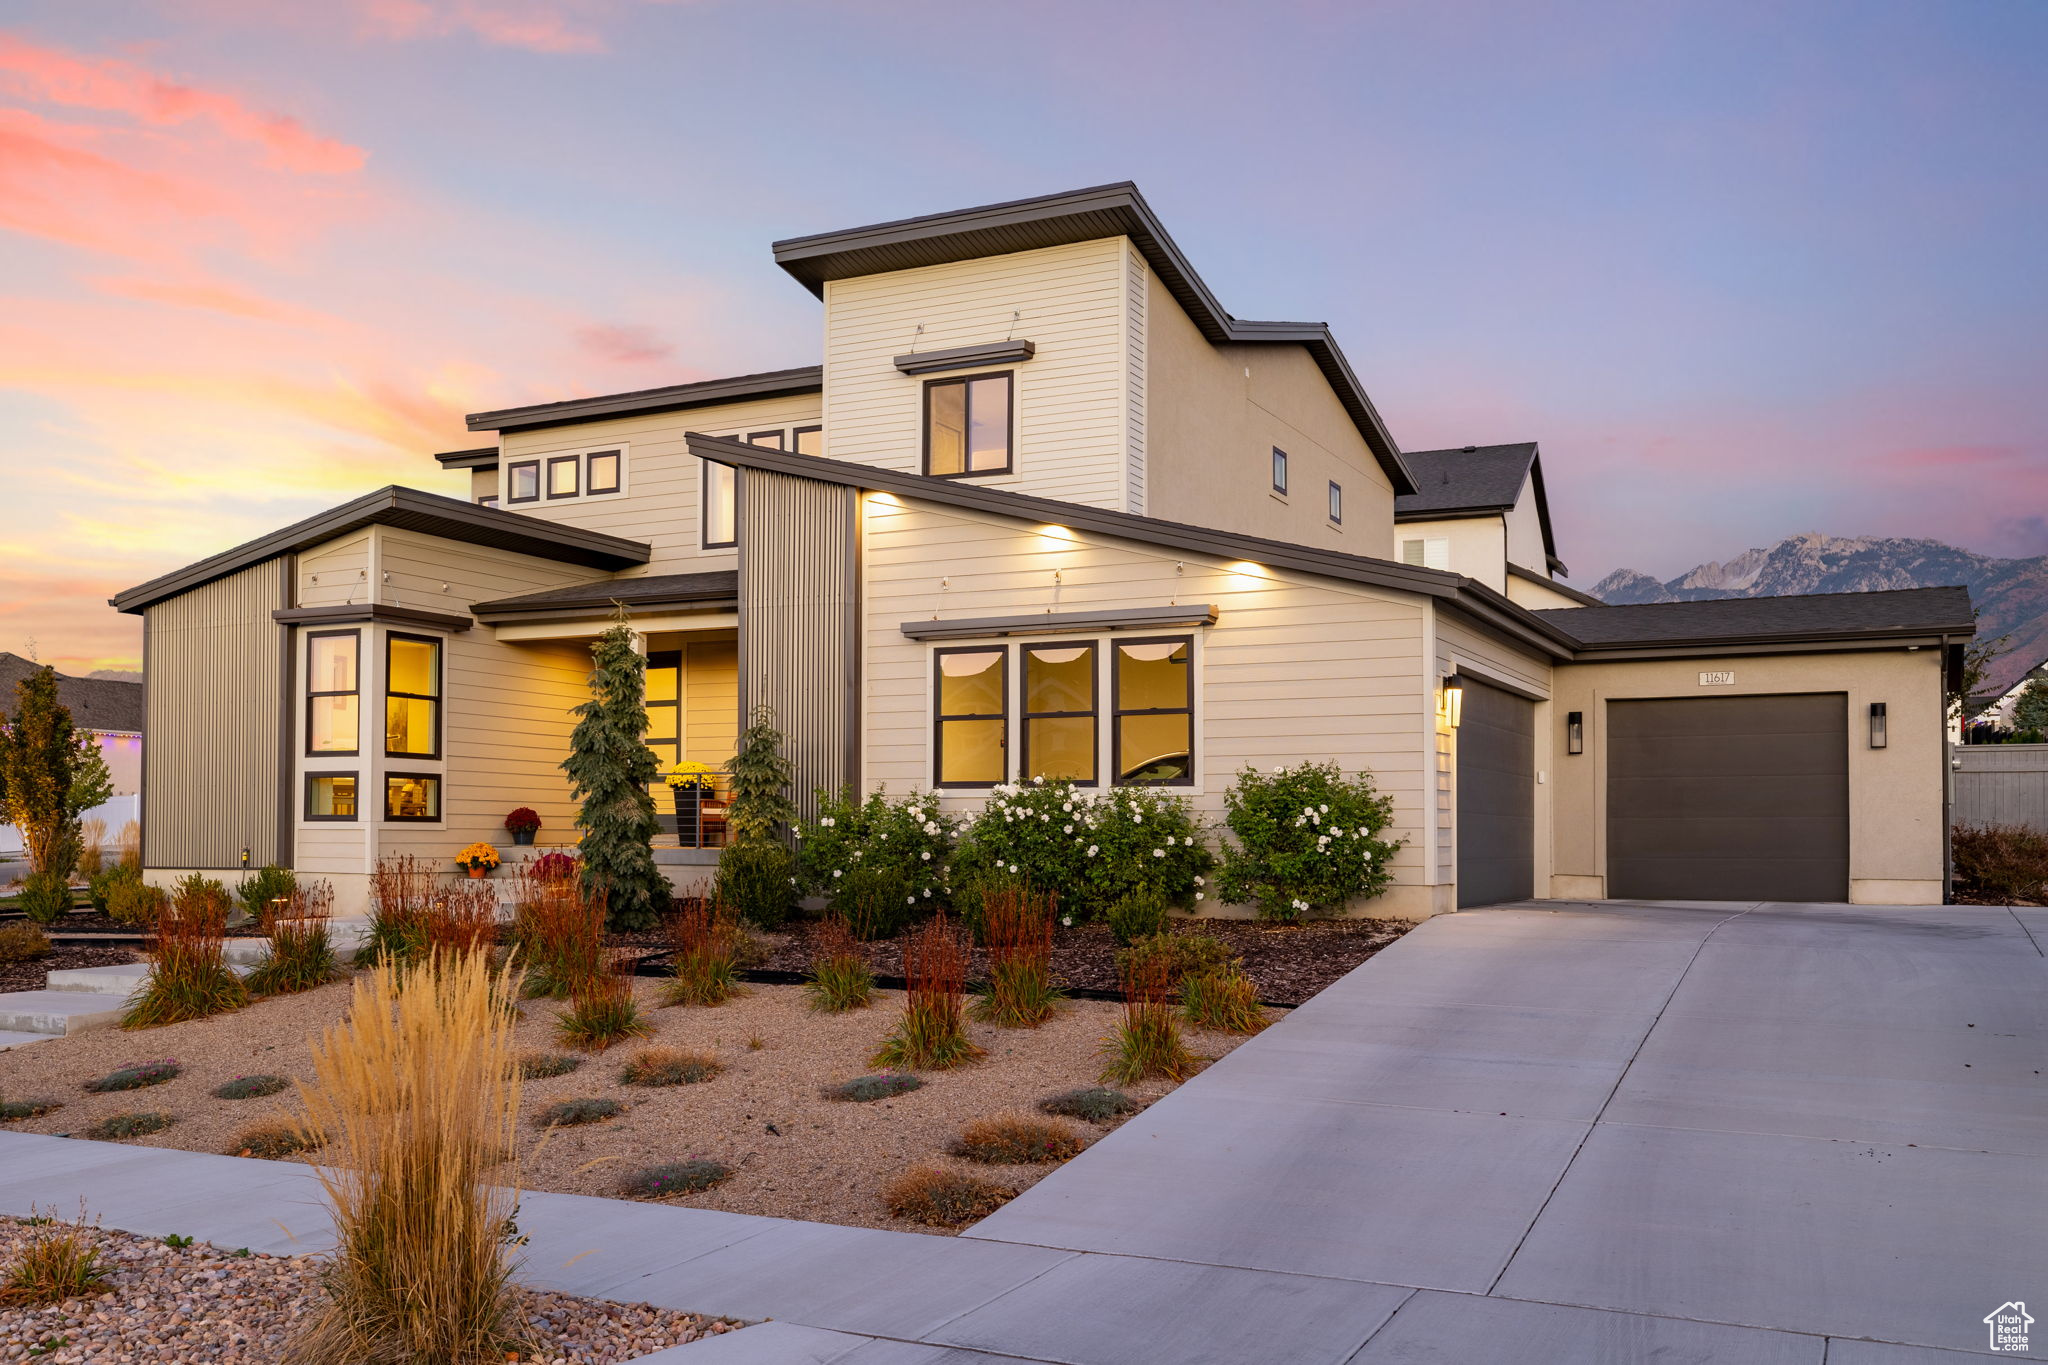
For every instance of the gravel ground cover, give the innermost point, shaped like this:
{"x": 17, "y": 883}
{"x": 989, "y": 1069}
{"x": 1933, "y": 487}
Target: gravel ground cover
{"x": 205, "y": 1303}
{"x": 29, "y": 976}
{"x": 792, "y": 1152}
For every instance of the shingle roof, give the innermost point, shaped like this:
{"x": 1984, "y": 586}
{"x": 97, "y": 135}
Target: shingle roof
{"x": 1814, "y": 616}
{"x": 648, "y": 590}
{"x": 1471, "y": 479}
{"x": 95, "y": 703}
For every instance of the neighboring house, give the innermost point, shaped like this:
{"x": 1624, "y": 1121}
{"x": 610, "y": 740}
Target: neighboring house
{"x": 111, "y": 711}
{"x": 1998, "y": 709}
{"x": 1045, "y": 509}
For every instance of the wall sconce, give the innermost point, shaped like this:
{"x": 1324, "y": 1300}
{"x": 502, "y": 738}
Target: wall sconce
{"x": 1877, "y": 725}
{"x": 1575, "y": 732}
{"x": 1454, "y": 700}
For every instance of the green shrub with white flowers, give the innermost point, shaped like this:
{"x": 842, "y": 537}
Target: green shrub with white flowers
{"x": 1307, "y": 840}
{"x": 898, "y": 838}
{"x": 1091, "y": 849}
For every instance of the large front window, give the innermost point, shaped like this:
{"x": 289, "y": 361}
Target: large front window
{"x": 412, "y": 696}
{"x": 967, "y": 426}
{"x": 1059, "y": 712}
{"x": 1153, "y": 695}
{"x": 973, "y": 716}
{"x": 332, "y": 688}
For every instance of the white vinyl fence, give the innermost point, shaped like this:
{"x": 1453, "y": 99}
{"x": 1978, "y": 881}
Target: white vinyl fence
{"x": 2002, "y": 784}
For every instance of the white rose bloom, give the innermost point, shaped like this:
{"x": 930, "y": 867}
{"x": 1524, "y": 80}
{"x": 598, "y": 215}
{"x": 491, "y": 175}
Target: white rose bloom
{"x": 1013, "y": 867}
{"x": 1324, "y": 809}
{"x": 1201, "y": 881}
{"x": 1159, "y": 853}
{"x": 1198, "y": 895}
{"x": 1093, "y": 850}
{"x": 836, "y": 871}
{"x": 1067, "y": 829}
{"x": 925, "y": 856}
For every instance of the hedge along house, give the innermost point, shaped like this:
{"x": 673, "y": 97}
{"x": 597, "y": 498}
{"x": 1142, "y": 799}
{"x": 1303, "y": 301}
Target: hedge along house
{"x": 1045, "y": 509}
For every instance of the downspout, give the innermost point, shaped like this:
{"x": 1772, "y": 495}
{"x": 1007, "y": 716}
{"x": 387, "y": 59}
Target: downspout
{"x": 1948, "y": 779}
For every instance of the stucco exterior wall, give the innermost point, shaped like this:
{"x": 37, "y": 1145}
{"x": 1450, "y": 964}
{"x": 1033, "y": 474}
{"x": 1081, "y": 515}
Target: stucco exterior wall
{"x": 1525, "y": 532}
{"x": 1478, "y": 546}
{"x": 1536, "y": 597}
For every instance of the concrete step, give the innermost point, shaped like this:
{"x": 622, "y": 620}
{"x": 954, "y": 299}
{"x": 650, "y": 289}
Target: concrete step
{"x": 57, "y": 1012}
{"x": 10, "y": 1039}
{"x": 119, "y": 980}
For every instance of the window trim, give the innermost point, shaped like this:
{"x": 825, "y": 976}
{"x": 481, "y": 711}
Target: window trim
{"x": 1279, "y": 471}
{"x": 512, "y": 469}
{"x": 704, "y": 540}
{"x": 1336, "y": 508}
{"x": 590, "y": 459}
{"x": 310, "y": 694}
{"x": 575, "y": 463}
{"x": 796, "y": 435}
{"x": 780, "y": 434}
{"x": 438, "y": 697}
{"x": 306, "y": 796}
{"x": 440, "y": 797}
{"x": 940, "y": 717}
{"x": 967, "y": 407}
{"x": 1117, "y": 711}
{"x": 1025, "y": 715}
{"x": 673, "y": 658}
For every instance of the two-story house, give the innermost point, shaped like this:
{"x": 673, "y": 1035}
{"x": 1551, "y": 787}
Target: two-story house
{"x": 1044, "y": 509}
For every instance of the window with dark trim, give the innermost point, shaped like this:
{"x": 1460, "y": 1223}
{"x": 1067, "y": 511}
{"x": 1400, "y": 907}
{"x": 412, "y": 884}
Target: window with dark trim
{"x": 664, "y": 709}
{"x": 333, "y": 692}
{"x": 771, "y": 439}
{"x": 562, "y": 475}
{"x": 970, "y": 742}
{"x": 412, "y": 796}
{"x": 602, "y": 476}
{"x": 1279, "y": 470}
{"x": 968, "y": 426}
{"x": 1336, "y": 502}
{"x": 488, "y": 500}
{"x": 1058, "y": 709}
{"x": 331, "y": 796}
{"x": 522, "y": 481}
{"x": 412, "y": 696}
{"x": 1152, "y": 698}
{"x": 808, "y": 440}
{"x": 721, "y": 505}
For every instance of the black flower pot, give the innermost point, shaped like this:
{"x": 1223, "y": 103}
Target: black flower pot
{"x": 522, "y": 837}
{"x": 689, "y": 815}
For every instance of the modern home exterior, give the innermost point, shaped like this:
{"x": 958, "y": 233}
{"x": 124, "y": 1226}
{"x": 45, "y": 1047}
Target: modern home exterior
{"x": 1045, "y": 509}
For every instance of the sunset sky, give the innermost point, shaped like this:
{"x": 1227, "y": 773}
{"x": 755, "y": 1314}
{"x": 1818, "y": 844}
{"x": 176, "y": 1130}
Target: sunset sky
{"x": 1744, "y": 269}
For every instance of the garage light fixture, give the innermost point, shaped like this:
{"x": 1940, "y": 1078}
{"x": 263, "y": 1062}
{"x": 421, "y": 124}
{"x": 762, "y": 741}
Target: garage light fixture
{"x": 1575, "y": 732}
{"x": 1454, "y": 700}
{"x": 1877, "y": 725}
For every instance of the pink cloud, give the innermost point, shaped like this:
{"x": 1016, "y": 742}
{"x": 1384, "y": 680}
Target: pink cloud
{"x": 569, "y": 26}
{"x": 628, "y": 343}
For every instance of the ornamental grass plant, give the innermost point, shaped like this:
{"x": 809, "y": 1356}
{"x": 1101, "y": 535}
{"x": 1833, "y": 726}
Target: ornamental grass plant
{"x": 462, "y": 919}
{"x": 840, "y": 978}
{"x": 932, "y": 1034}
{"x": 658, "y": 1066}
{"x": 1017, "y": 930}
{"x": 1011, "y": 1138}
{"x": 301, "y": 955}
{"x": 1146, "y": 1042}
{"x": 558, "y": 934}
{"x": 602, "y": 1011}
{"x": 941, "y": 1198}
{"x": 61, "y": 1261}
{"x": 189, "y": 977}
{"x": 705, "y": 940}
{"x": 418, "y": 1094}
{"x": 401, "y": 890}
{"x": 1221, "y": 998}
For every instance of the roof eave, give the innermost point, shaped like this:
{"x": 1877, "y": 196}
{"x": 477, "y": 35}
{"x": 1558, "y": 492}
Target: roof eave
{"x": 644, "y": 402}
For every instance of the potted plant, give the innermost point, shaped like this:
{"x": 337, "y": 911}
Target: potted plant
{"x": 691, "y": 784}
{"x": 521, "y": 824}
{"x": 479, "y": 858}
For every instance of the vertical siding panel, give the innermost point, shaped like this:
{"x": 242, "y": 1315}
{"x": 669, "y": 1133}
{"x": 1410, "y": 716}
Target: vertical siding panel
{"x": 1135, "y": 291}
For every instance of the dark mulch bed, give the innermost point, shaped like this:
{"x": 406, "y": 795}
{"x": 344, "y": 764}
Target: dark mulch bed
{"x": 28, "y": 976}
{"x": 92, "y": 922}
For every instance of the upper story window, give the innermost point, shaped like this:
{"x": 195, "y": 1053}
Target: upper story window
{"x": 971, "y": 740}
{"x": 719, "y": 487}
{"x": 412, "y": 696}
{"x": 601, "y": 471}
{"x": 333, "y": 686}
{"x": 563, "y": 476}
{"x": 1426, "y": 552}
{"x": 771, "y": 439}
{"x": 487, "y": 500}
{"x": 967, "y": 427}
{"x": 1279, "y": 470}
{"x": 522, "y": 481}
{"x": 808, "y": 440}
{"x": 1336, "y": 502}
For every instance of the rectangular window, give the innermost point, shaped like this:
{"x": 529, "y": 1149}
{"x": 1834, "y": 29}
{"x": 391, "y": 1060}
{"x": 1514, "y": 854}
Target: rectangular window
{"x": 332, "y": 685}
{"x": 1337, "y": 502}
{"x": 1059, "y": 712}
{"x": 1430, "y": 552}
{"x": 972, "y": 691}
{"x": 522, "y": 481}
{"x": 562, "y": 475}
{"x": 330, "y": 796}
{"x": 603, "y": 474}
{"x": 491, "y": 501}
{"x": 721, "y": 513}
{"x": 771, "y": 439}
{"x": 967, "y": 426}
{"x": 1279, "y": 470}
{"x": 664, "y": 711}
{"x": 412, "y": 696}
{"x": 809, "y": 440}
{"x": 412, "y": 796}
{"x": 1153, "y": 694}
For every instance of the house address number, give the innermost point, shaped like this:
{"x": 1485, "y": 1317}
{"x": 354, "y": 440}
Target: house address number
{"x": 1717, "y": 679}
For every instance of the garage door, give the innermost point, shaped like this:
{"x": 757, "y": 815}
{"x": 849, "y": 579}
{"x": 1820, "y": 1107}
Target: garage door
{"x": 1729, "y": 798}
{"x": 1496, "y": 796}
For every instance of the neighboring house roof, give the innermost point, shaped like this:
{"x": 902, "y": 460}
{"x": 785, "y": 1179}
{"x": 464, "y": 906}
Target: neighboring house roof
{"x": 468, "y": 459}
{"x": 717, "y": 588}
{"x": 702, "y": 393}
{"x": 1531, "y": 576}
{"x": 1476, "y": 481}
{"x": 408, "y": 509}
{"x": 1116, "y": 210}
{"x": 1813, "y": 617}
{"x": 94, "y": 703}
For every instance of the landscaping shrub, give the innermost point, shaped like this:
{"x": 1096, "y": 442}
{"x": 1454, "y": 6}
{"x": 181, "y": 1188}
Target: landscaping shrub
{"x": 602, "y": 1011}
{"x": 1096, "y": 1104}
{"x": 943, "y": 1199}
{"x": 13, "y": 1111}
{"x": 759, "y": 808}
{"x": 265, "y": 892}
{"x": 538, "y": 1066}
{"x": 1141, "y": 914}
{"x": 675, "y": 1177}
{"x": 189, "y": 978}
{"x": 2002, "y": 862}
{"x": 1146, "y": 1041}
{"x": 135, "y": 1076}
{"x": 908, "y": 836}
{"x": 553, "y": 867}
{"x": 301, "y": 954}
{"x": 558, "y": 935}
{"x": 99, "y": 886}
{"x": 706, "y": 955}
{"x": 1307, "y": 840}
{"x": 1223, "y": 999}
{"x": 401, "y": 890}
{"x": 1009, "y": 1139}
{"x": 610, "y": 768}
{"x": 670, "y": 1066}
{"x": 840, "y": 978}
{"x": 758, "y": 881}
{"x": 881, "y": 1085}
{"x": 45, "y": 897}
{"x": 417, "y": 1094}
{"x": 1183, "y": 954}
{"x": 134, "y": 901}
{"x": 932, "y": 1035}
{"x": 23, "y": 943}
{"x": 51, "y": 773}
{"x": 569, "y": 1113}
{"x": 462, "y": 919}
{"x": 92, "y": 853}
{"x": 878, "y": 902}
{"x": 196, "y": 889}
{"x": 60, "y": 1262}
{"x": 1096, "y": 848}
{"x": 251, "y": 1087}
{"x": 1017, "y": 927}
{"x": 119, "y": 1126}
{"x": 274, "y": 1140}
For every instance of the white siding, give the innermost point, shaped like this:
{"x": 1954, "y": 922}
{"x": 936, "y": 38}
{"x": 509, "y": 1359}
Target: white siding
{"x": 335, "y": 573}
{"x": 1136, "y": 289}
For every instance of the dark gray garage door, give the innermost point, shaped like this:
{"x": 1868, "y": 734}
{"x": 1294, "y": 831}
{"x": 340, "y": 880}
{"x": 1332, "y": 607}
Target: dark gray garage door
{"x": 1496, "y": 796}
{"x": 1729, "y": 798}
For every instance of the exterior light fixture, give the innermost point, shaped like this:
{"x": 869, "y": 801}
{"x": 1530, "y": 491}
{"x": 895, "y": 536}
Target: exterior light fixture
{"x": 1877, "y": 725}
{"x": 1575, "y": 732}
{"x": 1454, "y": 700}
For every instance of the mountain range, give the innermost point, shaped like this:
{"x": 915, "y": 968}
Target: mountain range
{"x": 2011, "y": 595}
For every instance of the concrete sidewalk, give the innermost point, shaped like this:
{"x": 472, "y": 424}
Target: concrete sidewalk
{"x": 1594, "y": 1134}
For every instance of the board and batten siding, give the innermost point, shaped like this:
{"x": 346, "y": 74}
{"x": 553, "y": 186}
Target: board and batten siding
{"x": 1070, "y": 400}
{"x": 217, "y": 673}
{"x": 799, "y": 647}
{"x": 1295, "y": 670}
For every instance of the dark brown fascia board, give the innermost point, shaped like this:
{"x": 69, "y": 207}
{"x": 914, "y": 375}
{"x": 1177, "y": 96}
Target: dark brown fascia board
{"x": 1531, "y": 576}
{"x": 370, "y": 611}
{"x": 1543, "y": 509}
{"x": 1710, "y": 649}
{"x": 966, "y": 357}
{"x": 407, "y": 509}
{"x": 673, "y": 398}
{"x": 1452, "y": 514}
{"x": 1116, "y": 210}
{"x": 586, "y": 611}
{"x": 468, "y": 459}
{"x": 1125, "y": 618}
